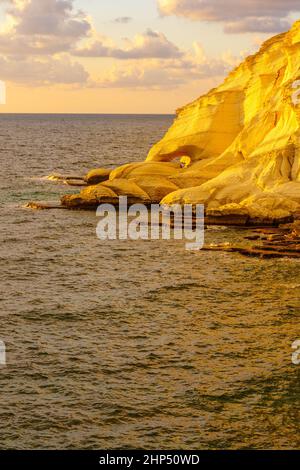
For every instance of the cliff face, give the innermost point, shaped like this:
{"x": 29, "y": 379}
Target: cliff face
{"x": 243, "y": 137}
{"x": 239, "y": 142}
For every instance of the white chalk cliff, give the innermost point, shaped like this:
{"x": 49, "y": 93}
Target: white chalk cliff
{"x": 240, "y": 142}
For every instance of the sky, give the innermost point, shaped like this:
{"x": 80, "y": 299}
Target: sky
{"x": 127, "y": 56}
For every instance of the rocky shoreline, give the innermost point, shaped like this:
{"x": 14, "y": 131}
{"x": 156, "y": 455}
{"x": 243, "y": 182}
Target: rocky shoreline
{"x": 282, "y": 242}
{"x": 274, "y": 238}
{"x": 98, "y": 188}
{"x": 235, "y": 150}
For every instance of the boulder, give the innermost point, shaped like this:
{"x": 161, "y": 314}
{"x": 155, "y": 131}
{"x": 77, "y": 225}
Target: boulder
{"x": 157, "y": 187}
{"x": 97, "y": 176}
{"x": 129, "y": 188}
{"x": 141, "y": 169}
{"x": 90, "y": 198}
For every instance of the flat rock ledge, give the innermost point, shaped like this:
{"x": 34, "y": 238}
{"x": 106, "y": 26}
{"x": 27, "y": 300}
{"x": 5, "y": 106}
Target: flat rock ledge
{"x": 283, "y": 242}
{"x": 235, "y": 149}
{"x": 35, "y": 205}
{"x": 90, "y": 199}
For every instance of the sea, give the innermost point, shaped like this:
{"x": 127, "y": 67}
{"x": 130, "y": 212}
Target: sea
{"x": 132, "y": 344}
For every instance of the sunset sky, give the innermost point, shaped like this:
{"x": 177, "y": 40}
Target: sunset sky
{"x": 127, "y": 56}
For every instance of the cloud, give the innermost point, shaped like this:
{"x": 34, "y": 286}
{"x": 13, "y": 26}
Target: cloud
{"x": 41, "y": 36}
{"x": 50, "y": 18}
{"x": 135, "y": 76}
{"x": 151, "y": 44}
{"x": 43, "y": 27}
{"x": 238, "y": 16}
{"x": 123, "y": 20}
{"x": 17, "y": 46}
{"x": 167, "y": 73}
{"x": 258, "y": 25}
{"x": 36, "y": 72}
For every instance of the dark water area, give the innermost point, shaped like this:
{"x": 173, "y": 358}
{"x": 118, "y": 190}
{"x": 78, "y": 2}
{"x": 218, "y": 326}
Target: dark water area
{"x": 124, "y": 344}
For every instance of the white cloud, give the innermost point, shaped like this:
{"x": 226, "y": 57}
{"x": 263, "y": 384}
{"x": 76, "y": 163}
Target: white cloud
{"x": 51, "y": 17}
{"x": 258, "y": 25}
{"x": 39, "y": 72}
{"x": 37, "y": 30}
{"x": 43, "y": 27}
{"x": 136, "y": 76}
{"x": 151, "y": 44}
{"x": 40, "y": 37}
{"x": 238, "y": 16}
{"x": 15, "y": 45}
{"x": 168, "y": 73}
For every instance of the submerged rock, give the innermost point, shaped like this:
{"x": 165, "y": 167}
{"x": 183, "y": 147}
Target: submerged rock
{"x": 237, "y": 148}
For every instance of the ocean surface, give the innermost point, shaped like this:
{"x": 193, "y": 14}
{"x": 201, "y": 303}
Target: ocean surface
{"x": 124, "y": 344}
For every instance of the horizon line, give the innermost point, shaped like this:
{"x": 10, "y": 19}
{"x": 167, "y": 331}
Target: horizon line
{"x": 88, "y": 114}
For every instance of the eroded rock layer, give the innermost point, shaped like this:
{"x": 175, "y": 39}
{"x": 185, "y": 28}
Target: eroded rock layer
{"x": 239, "y": 144}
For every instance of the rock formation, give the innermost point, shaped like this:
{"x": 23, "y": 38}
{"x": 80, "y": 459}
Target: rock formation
{"x": 97, "y": 176}
{"x": 235, "y": 149}
{"x": 283, "y": 242}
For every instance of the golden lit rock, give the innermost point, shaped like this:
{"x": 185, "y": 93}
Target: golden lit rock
{"x": 237, "y": 148}
{"x": 129, "y": 188}
{"x": 97, "y": 176}
{"x": 90, "y": 197}
{"x": 243, "y": 137}
{"x": 157, "y": 187}
{"x": 145, "y": 169}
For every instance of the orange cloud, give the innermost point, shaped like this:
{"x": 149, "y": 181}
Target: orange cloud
{"x": 151, "y": 44}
